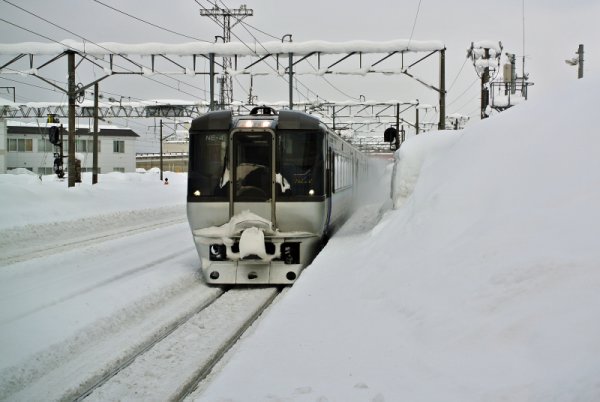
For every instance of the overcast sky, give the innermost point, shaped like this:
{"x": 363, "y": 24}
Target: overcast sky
{"x": 552, "y": 31}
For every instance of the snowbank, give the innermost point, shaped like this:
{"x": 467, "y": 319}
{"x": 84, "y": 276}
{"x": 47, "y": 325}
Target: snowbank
{"x": 30, "y": 199}
{"x": 481, "y": 286}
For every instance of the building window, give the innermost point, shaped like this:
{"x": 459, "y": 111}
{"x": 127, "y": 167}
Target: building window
{"x": 45, "y": 170}
{"x": 88, "y": 170}
{"x": 45, "y": 146}
{"x": 119, "y": 147}
{"x": 119, "y": 169}
{"x": 85, "y": 146}
{"x": 20, "y": 145}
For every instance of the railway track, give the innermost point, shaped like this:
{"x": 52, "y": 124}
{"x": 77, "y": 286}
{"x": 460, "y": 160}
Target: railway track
{"x": 42, "y": 240}
{"x": 170, "y": 367}
{"x": 156, "y": 342}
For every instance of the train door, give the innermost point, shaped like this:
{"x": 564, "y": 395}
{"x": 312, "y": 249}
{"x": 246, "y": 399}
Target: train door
{"x": 253, "y": 159}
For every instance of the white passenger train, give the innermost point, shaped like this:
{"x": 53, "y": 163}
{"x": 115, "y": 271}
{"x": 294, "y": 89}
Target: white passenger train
{"x": 264, "y": 190}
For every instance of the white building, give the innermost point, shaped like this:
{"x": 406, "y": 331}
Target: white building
{"x": 27, "y": 146}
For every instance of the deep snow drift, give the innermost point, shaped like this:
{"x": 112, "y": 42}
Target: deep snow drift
{"x": 481, "y": 286}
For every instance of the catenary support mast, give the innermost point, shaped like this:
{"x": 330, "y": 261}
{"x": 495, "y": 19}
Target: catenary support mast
{"x": 216, "y": 13}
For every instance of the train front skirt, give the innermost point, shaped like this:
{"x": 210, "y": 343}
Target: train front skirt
{"x": 247, "y": 250}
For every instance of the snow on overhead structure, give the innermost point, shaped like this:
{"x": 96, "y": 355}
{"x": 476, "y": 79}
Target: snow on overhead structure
{"x": 488, "y": 44}
{"x": 221, "y": 49}
{"x": 297, "y": 52}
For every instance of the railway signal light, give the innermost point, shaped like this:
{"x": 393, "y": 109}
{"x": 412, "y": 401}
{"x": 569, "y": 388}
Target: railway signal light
{"x": 54, "y": 135}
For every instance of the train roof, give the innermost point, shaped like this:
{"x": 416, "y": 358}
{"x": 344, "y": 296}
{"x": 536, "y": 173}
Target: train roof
{"x": 283, "y": 119}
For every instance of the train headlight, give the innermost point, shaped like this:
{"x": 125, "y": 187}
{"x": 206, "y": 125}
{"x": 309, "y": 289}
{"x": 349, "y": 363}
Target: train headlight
{"x": 197, "y": 193}
{"x": 217, "y": 252}
{"x": 311, "y": 192}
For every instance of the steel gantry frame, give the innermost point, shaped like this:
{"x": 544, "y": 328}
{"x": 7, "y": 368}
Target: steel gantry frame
{"x": 103, "y": 55}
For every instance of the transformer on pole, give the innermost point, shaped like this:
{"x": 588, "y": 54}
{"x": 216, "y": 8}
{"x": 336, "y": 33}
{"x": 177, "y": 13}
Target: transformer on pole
{"x": 216, "y": 13}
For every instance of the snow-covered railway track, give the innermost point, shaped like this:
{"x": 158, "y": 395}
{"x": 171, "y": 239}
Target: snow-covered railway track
{"x": 35, "y": 241}
{"x": 89, "y": 357}
{"x": 171, "y": 367}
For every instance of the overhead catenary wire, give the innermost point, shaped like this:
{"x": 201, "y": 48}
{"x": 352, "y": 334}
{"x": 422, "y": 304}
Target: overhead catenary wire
{"x": 458, "y": 74}
{"x": 260, "y": 44}
{"x": 246, "y": 24}
{"x": 53, "y": 89}
{"x": 464, "y": 92}
{"x": 90, "y": 41}
{"x": 55, "y": 41}
{"x": 150, "y": 23}
{"x": 412, "y": 31}
{"x": 237, "y": 37}
{"x": 467, "y": 103}
{"x": 70, "y": 48}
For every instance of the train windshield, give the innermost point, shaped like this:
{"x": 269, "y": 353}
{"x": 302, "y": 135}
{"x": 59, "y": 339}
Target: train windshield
{"x": 300, "y": 164}
{"x": 207, "y": 175}
{"x": 252, "y": 160}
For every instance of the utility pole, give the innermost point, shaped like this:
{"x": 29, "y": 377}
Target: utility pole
{"x": 442, "y": 122}
{"x": 217, "y": 14}
{"x": 95, "y": 137}
{"x": 580, "y": 70}
{"x": 481, "y": 54}
{"x": 161, "y": 151}
{"x": 577, "y": 61}
{"x": 72, "y": 96}
{"x": 485, "y": 78}
{"x": 417, "y": 120}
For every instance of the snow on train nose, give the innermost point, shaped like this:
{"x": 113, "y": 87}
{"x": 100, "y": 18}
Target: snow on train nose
{"x": 252, "y": 242}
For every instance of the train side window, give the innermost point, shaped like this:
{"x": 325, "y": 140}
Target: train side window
{"x": 300, "y": 163}
{"x": 342, "y": 172}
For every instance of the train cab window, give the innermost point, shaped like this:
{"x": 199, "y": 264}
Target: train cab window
{"x": 300, "y": 164}
{"x": 252, "y": 161}
{"x": 208, "y": 176}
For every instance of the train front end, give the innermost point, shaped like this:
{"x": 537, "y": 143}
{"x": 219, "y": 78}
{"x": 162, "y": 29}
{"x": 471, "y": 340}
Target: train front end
{"x": 256, "y": 197}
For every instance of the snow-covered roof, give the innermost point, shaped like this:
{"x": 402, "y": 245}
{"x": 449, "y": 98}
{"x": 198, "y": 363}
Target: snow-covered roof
{"x": 221, "y": 49}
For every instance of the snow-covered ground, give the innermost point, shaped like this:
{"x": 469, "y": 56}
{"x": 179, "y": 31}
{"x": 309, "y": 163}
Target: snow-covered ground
{"x": 481, "y": 285}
